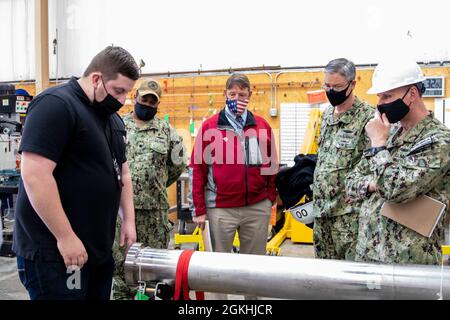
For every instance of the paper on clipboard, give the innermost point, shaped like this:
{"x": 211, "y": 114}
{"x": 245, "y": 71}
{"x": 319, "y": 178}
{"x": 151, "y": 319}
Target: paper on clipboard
{"x": 421, "y": 214}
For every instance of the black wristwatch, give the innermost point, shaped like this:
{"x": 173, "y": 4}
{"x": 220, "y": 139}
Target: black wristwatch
{"x": 370, "y": 152}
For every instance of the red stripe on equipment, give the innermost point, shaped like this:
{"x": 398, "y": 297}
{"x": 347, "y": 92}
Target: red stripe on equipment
{"x": 181, "y": 278}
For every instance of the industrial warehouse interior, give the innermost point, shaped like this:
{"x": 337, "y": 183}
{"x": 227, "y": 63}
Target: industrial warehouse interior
{"x": 224, "y": 150}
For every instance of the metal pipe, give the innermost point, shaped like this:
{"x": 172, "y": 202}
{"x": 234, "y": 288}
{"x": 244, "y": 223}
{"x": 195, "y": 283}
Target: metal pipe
{"x": 288, "y": 277}
{"x": 229, "y": 71}
{"x": 276, "y": 89}
{"x": 429, "y": 64}
{"x": 271, "y": 90}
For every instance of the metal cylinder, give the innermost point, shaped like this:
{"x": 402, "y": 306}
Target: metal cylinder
{"x": 288, "y": 277}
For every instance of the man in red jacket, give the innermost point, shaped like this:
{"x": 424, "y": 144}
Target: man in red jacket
{"x": 234, "y": 162}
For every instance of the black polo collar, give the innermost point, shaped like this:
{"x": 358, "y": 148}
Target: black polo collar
{"x": 78, "y": 90}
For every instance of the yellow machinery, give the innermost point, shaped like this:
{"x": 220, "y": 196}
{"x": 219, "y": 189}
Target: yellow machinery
{"x": 293, "y": 229}
{"x": 197, "y": 238}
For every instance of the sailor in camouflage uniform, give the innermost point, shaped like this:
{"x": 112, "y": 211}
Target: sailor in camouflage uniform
{"x": 341, "y": 143}
{"x": 156, "y": 157}
{"x": 405, "y": 161}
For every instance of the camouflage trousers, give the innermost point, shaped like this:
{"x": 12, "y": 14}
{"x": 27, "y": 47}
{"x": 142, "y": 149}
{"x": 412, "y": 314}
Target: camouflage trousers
{"x": 336, "y": 237}
{"x": 152, "y": 231}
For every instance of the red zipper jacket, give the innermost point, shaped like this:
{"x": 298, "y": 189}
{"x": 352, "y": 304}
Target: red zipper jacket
{"x": 232, "y": 169}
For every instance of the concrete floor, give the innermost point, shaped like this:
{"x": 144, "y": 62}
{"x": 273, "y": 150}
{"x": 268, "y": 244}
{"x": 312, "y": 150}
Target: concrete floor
{"x": 10, "y": 286}
{"x": 12, "y": 289}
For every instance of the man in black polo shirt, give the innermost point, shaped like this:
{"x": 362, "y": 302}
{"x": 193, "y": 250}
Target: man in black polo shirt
{"x": 74, "y": 179}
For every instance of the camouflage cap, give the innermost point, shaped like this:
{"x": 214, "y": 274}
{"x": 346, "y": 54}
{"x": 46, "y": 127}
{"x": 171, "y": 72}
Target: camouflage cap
{"x": 149, "y": 86}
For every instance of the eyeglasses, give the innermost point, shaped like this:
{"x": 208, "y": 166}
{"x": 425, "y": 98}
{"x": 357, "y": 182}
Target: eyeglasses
{"x": 337, "y": 88}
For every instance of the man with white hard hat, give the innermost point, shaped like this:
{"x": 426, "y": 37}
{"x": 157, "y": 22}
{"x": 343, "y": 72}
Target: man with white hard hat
{"x": 409, "y": 157}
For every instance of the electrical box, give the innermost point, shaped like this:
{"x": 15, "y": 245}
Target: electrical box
{"x": 273, "y": 112}
{"x": 10, "y": 102}
{"x": 22, "y": 103}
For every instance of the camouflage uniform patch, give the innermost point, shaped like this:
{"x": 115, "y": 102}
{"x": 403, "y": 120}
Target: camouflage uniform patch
{"x": 414, "y": 164}
{"x": 341, "y": 143}
{"x": 334, "y": 237}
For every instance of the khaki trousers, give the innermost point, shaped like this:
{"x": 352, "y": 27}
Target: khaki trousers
{"x": 251, "y": 222}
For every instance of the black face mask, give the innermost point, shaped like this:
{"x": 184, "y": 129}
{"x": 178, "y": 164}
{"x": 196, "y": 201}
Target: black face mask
{"x": 337, "y": 97}
{"x": 143, "y": 112}
{"x": 107, "y": 106}
{"x": 395, "y": 110}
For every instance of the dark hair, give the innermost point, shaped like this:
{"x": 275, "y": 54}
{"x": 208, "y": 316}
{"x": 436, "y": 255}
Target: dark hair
{"x": 420, "y": 87}
{"x": 111, "y": 61}
{"x": 238, "y": 79}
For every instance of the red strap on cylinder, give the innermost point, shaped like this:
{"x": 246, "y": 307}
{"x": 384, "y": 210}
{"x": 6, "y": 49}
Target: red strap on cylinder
{"x": 181, "y": 277}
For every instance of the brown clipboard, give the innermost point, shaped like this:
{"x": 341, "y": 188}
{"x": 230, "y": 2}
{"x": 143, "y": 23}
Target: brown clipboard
{"x": 421, "y": 214}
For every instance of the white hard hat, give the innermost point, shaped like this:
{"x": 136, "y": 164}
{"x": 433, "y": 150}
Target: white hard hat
{"x": 394, "y": 74}
{"x": 303, "y": 213}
